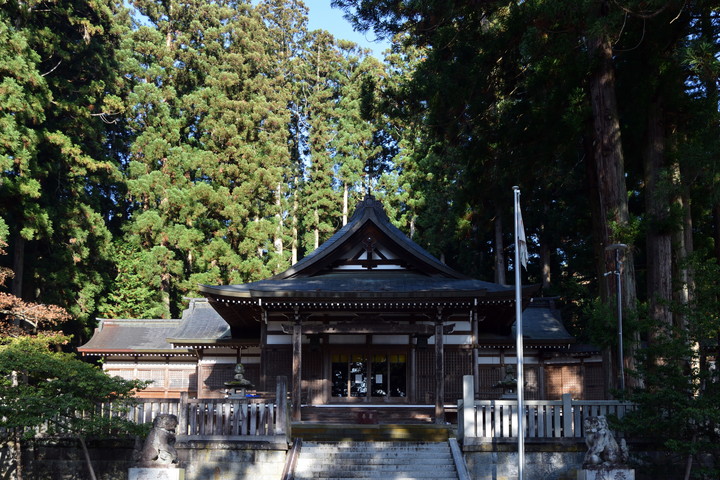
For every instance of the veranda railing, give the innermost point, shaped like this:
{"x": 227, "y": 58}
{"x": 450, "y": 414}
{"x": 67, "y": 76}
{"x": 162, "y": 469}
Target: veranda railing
{"x": 213, "y": 417}
{"x": 542, "y": 418}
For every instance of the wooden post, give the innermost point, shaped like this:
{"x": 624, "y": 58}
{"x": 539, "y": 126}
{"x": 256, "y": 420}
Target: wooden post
{"x": 413, "y": 372}
{"x": 183, "y": 414}
{"x": 469, "y": 417}
{"x": 475, "y": 350}
{"x": 297, "y": 368}
{"x": 439, "y": 371}
{"x": 281, "y": 406}
{"x": 567, "y": 415}
{"x": 263, "y": 354}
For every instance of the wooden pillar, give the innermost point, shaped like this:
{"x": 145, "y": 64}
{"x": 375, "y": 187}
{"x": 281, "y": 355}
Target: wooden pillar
{"x": 475, "y": 350}
{"x": 263, "y": 354}
{"x": 297, "y": 367}
{"x": 439, "y": 370}
{"x": 413, "y": 372}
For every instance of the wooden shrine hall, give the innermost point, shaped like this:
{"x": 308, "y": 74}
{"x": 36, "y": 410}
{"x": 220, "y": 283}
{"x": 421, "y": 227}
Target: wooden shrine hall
{"x": 367, "y": 318}
{"x": 369, "y": 296}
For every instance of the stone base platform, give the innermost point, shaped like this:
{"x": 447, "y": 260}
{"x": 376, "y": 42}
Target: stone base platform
{"x": 156, "y": 474}
{"x": 606, "y": 474}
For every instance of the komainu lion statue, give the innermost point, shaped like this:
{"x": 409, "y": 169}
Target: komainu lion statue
{"x": 159, "y": 448}
{"x": 603, "y": 450}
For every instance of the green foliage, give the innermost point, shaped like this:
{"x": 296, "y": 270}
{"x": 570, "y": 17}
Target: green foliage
{"x": 58, "y": 68}
{"x": 678, "y": 403}
{"x": 134, "y": 292}
{"x": 54, "y": 392}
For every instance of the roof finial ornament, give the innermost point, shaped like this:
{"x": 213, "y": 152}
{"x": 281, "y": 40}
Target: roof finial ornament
{"x": 369, "y": 172}
{"x": 368, "y": 188}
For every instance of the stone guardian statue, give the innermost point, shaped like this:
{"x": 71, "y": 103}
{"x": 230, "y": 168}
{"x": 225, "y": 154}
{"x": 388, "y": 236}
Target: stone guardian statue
{"x": 159, "y": 448}
{"x": 603, "y": 449}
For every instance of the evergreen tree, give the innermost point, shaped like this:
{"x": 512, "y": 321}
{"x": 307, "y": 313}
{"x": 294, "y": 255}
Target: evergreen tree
{"x": 208, "y": 168}
{"x": 59, "y": 114}
{"x": 287, "y": 36}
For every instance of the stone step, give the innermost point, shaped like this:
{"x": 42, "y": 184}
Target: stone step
{"x": 381, "y": 453}
{"x": 378, "y": 445}
{"x": 375, "y": 460}
{"x": 352, "y": 459}
{"x": 371, "y": 433}
{"x": 394, "y": 477}
{"x": 387, "y": 460}
{"x": 310, "y": 462}
{"x": 374, "y": 468}
{"x": 413, "y": 474}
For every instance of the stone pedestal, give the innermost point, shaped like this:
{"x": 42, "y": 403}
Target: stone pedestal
{"x": 606, "y": 474}
{"x": 156, "y": 474}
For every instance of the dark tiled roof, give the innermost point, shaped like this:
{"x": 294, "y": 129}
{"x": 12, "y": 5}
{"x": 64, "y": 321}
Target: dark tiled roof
{"x": 132, "y": 336}
{"x": 361, "y": 284}
{"x": 542, "y": 324}
{"x": 200, "y": 323}
{"x": 542, "y": 321}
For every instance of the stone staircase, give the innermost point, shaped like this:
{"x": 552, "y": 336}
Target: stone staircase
{"x": 375, "y": 460}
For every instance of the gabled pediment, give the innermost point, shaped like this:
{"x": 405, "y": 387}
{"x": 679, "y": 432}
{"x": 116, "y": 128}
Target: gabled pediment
{"x": 369, "y": 242}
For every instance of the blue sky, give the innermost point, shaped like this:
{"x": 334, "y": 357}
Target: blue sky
{"x": 323, "y": 16}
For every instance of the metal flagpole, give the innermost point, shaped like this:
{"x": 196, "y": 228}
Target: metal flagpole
{"x": 519, "y": 339}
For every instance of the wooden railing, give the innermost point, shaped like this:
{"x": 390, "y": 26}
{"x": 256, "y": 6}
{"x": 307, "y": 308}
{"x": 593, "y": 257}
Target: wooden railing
{"x": 227, "y": 418}
{"x": 224, "y": 417}
{"x": 542, "y": 418}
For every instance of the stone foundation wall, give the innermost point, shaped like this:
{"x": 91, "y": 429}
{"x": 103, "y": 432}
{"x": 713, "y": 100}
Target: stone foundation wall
{"x": 206, "y": 458}
{"x": 559, "y": 459}
{"x": 211, "y": 458}
{"x": 263, "y": 458}
{"x": 63, "y": 459}
{"x": 498, "y": 460}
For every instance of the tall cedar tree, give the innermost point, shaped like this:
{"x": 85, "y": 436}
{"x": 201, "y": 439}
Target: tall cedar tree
{"x": 59, "y": 78}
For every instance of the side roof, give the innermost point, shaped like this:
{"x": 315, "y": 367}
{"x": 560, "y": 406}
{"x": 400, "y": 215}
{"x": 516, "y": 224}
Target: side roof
{"x": 542, "y": 326}
{"x": 201, "y": 324}
{"x": 133, "y": 337}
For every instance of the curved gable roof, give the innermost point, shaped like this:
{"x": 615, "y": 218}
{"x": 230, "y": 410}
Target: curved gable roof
{"x": 369, "y": 220}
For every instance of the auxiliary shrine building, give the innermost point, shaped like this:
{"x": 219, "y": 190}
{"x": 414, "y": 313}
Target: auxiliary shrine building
{"x": 368, "y": 317}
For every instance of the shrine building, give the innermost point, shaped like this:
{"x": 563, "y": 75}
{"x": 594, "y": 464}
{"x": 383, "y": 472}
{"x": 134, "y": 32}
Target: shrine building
{"x": 369, "y": 317}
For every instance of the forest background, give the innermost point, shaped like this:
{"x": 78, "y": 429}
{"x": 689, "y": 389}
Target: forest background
{"x": 149, "y": 148}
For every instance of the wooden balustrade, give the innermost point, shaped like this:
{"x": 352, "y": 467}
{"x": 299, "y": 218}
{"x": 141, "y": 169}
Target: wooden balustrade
{"x": 224, "y": 417}
{"x": 543, "y": 418}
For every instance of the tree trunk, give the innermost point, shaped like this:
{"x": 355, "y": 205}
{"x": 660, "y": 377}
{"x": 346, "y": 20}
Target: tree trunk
{"x": 17, "y": 450}
{"x": 659, "y": 236}
{"x": 316, "y": 230}
{"x": 545, "y": 258}
{"x": 294, "y": 246}
{"x": 716, "y": 230}
{"x": 499, "y": 248}
{"x": 345, "y": 204}
{"x": 86, "y": 454}
{"x": 278, "y": 240}
{"x": 606, "y": 176}
{"x": 18, "y": 265}
{"x": 683, "y": 247}
{"x": 709, "y": 29}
